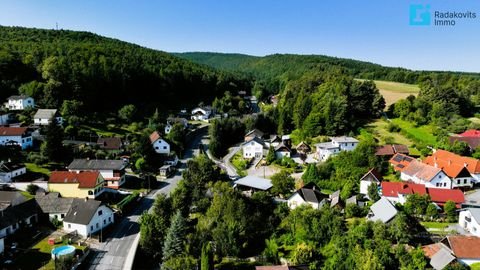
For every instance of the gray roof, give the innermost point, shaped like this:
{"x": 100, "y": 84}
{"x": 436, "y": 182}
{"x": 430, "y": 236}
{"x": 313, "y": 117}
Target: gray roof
{"x": 383, "y": 210}
{"x": 441, "y": 259}
{"x": 53, "y": 203}
{"x": 18, "y": 97}
{"x": 475, "y": 213}
{"x": 10, "y": 198}
{"x": 12, "y": 215}
{"x": 82, "y": 211}
{"x": 311, "y": 193}
{"x": 96, "y": 164}
{"x": 351, "y": 200}
{"x": 472, "y": 199}
{"x": 344, "y": 139}
{"x": 45, "y": 113}
{"x": 254, "y": 182}
{"x": 326, "y": 145}
{"x": 10, "y": 166}
{"x": 257, "y": 140}
{"x": 255, "y": 132}
{"x": 335, "y": 198}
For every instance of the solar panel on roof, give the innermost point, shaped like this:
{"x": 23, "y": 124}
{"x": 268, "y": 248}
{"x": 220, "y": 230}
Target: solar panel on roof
{"x": 401, "y": 166}
{"x": 408, "y": 158}
{"x": 398, "y": 158}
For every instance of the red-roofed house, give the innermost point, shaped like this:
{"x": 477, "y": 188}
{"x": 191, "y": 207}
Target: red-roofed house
{"x": 430, "y": 176}
{"x": 159, "y": 144}
{"x": 396, "y": 192}
{"x": 389, "y": 150}
{"x": 76, "y": 184}
{"x": 471, "y": 133}
{"x": 440, "y": 196}
{"x": 472, "y": 164}
{"x": 454, "y": 169}
{"x": 16, "y": 136}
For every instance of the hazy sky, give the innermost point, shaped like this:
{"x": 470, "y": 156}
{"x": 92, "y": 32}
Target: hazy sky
{"x": 371, "y": 30}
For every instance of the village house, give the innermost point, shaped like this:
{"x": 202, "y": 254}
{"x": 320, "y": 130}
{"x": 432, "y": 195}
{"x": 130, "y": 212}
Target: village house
{"x": 465, "y": 249}
{"x": 471, "y": 137}
{"x": 43, "y": 117}
{"x": 308, "y": 195}
{"x": 469, "y": 220}
{"x": 252, "y": 134}
{"x": 9, "y": 170}
{"x": 254, "y": 148}
{"x": 87, "y": 217}
{"x": 335, "y": 146}
{"x": 112, "y": 171}
{"x": 273, "y": 141}
{"x": 5, "y": 119}
{"x": 159, "y": 144}
{"x": 282, "y": 150}
{"x": 84, "y": 184}
{"x": 390, "y": 150}
{"x": 19, "y": 136}
{"x": 53, "y": 205}
{"x": 171, "y": 121}
{"x": 201, "y": 114}
{"x": 400, "y": 161}
{"x": 371, "y": 177}
{"x": 16, "y": 212}
{"x": 453, "y": 166}
{"x": 382, "y": 210}
{"x": 20, "y": 103}
{"x": 113, "y": 144}
{"x": 303, "y": 148}
{"x": 430, "y": 176}
{"x": 445, "y": 157}
{"x": 250, "y": 184}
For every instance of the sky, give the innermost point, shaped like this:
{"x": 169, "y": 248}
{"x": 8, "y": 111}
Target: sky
{"x": 371, "y": 30}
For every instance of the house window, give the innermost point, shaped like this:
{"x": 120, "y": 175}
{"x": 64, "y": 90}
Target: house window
{"x": 55, "y": 216}
{"x": 156, "y": 147}
{"x": 104, "y": 221}
{"x": 164, "y": 147}
{"x": 91, "y": 228}
{"x": 458, "y": 182}
{"x": 69, "y": 226}
{"x": 464, "y": 181}
{"x": 109, "y": 219}
{"x": 444, "y": 184}
{"x": 62, "y": 215}
{"x": 90, "y": 192}
{"x": 100, "y": 212}
{"x": 96, "y": 225}
{"x": 438, "y": 184}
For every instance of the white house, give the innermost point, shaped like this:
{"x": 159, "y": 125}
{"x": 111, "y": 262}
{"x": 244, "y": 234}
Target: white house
{"x": 160, "y": 145}
{"x": 16, "y": 136}
{"x": 43, "y": 117}
{"x": 201, "y": 113}
{"x": 308, "y": 195}
{"x": 254, "y": 148}
{"x": 454, "y": 167}
{"x": 87, "y": 217}
{"x": 19, "y": 103}
{"x": 371, "y": 177}
{"x": 282, "y": 150}
{"x": 8, "y": 170}
{"x": 172, "y": 121}
{"x": 469, "y": 219}
{"x": 443, "y": 157}
{"x": 112, "y": 171}
{"x": 430, "y": 176}
{"x": 335, "y": 146}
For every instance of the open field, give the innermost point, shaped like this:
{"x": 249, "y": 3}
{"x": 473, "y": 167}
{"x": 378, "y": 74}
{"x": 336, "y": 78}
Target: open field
{"x": 394, "y": 91}
{"x": 379, "y": 128}
{"x": 421, "y": 134}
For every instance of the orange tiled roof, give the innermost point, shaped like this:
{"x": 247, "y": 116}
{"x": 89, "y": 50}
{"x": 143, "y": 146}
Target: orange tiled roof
{"x": 400, "y": 161}
{"x": 421, "y": 170}
{"x": 473, "y": 165}
{"x": 430, "y": 250}
{"x": 154, "y": 136}
{"x": 466, "y": 247}
{"x": 450, "y": 168}
{"x": 84, "y": 179}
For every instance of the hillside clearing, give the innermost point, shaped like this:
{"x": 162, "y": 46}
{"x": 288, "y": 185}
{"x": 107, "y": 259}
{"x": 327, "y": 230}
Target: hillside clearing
{"x": 394, "y": 91}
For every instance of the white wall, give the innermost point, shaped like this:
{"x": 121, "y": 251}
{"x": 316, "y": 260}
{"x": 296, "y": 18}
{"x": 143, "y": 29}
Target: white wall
{"x": 20, "y": 104}
{"x": 7, "y": 177}
{"x": 296, "y": 200}
{"x": 161, "y": 147}
{"x": 46, "y": 121}
{"x": 324, "y": 154}
{"x": 441, "y": 180}
{"x": 464, "y": 182}
{"x": 364, "y": 186}
{"x": 23, "y": 185}
{"x": 251, "y": 149}
{"x": 473, "y": 227}
{"x": 346, "y": 146}
{"x": 2, "y": 246}
{"x": 97, "y": 223}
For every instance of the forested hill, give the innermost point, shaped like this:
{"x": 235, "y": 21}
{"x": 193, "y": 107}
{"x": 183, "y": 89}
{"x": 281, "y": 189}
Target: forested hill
{"x": 102, "y": 73}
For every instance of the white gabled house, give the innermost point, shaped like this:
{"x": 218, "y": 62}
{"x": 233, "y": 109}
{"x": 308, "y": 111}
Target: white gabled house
{"x": 20, "y": 103}
{"x": 20, "y": 136}
{"x": 201, "y": 113}
{"x": 254, "y": 148}
{"x": 308, "y": 195}
{"x": 9, "y": 170}
{"x": 372, "y": 177}
{"x": 87, "y": 217}
{"x": 430, "y": 176}
{"x": 43, "y": 117}
{"x": 335, "y": 146}
{"x": 159, "y": 145}
{"x": 469, "y": 220}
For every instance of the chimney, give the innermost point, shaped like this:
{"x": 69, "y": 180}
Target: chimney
{"x": 86, "y": 199}
{"x": 436, "y": 165}
{"x": 449, "y": 162}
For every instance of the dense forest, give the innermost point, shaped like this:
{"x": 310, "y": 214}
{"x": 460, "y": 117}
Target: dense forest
{"x": 102, "y": 73}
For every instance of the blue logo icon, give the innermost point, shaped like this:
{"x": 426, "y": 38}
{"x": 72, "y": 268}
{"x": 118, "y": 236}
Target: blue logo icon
{"x": 419, "y": 14}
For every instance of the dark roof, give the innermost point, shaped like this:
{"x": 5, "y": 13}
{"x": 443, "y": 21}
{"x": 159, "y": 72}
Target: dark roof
{"x": 114, "y": 143}
{"x": 53, "y": 203}
{"x": 311, "y": 193}
{"x": 82, "y": 211}
{"x": 10, "y": 198}
{"x": 10, "y": 166}
{"x": 473, "y": 142}
{"x": 257, "y": 140}
{"x": 96, "y": 164}
{"x": 18, "y": 97}
{"x": 302, "y": 146}
{"x": 373, "y": 174}
{"x": 12, "y": 215}
{"x": 283, "y": 147}
{"x": 255, "y": 132}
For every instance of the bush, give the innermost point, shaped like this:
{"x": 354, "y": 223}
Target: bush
{"x": 392, "y": 127}
{"x": 32, "y": 189}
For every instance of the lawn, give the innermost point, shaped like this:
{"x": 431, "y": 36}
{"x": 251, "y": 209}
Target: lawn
{"x": 109, "y": 130}
{"x": 380, "y": 130}
{"x": 32, "y": 167}
{"x": 436, "y": 225}
{"x": 421, "y": 134}
{"x": 394, "y": 91}
{"x": 39, "y": 256}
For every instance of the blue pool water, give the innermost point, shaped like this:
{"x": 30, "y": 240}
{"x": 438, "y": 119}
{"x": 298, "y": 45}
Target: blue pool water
{"x": 62, "y": 251}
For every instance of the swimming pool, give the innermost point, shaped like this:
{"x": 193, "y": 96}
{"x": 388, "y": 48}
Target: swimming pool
{"x": 62, "y": 251}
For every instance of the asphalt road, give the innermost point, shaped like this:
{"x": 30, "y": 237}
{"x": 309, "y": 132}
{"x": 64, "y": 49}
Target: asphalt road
{"x": 112, "y": 253}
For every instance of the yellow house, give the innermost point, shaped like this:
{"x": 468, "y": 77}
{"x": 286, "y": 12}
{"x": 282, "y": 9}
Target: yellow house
{"x": 76, "y": 184}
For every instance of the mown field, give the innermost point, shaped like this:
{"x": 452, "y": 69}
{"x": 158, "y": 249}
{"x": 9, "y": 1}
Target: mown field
{"x": 394, "y": 91}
